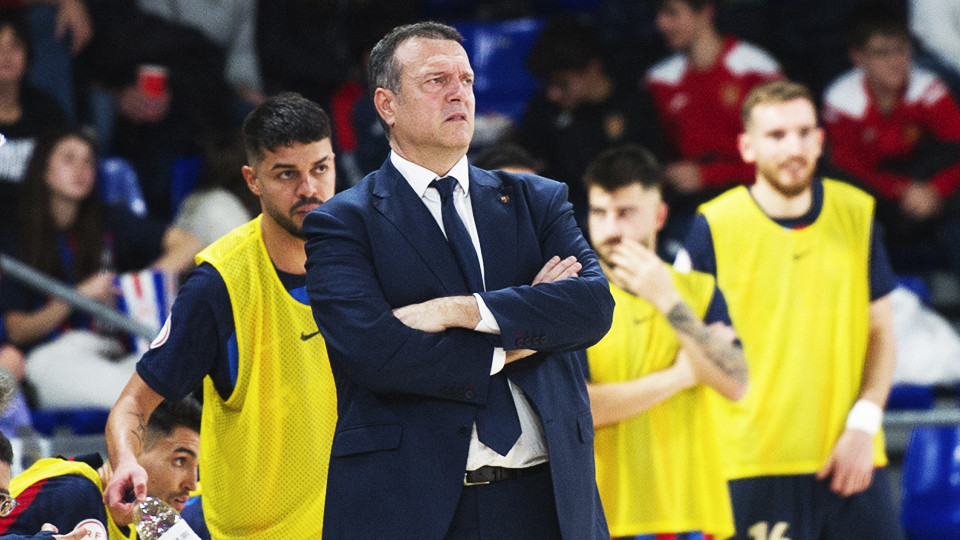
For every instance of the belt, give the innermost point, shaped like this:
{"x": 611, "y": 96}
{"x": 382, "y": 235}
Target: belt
{"x": 489, "y": 475}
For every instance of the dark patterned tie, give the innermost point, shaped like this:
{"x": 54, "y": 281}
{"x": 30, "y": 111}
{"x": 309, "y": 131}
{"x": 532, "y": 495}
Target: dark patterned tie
{"x": 498, "y": 425}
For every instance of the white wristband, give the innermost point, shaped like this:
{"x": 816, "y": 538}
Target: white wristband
{"x": 866, "y": 416}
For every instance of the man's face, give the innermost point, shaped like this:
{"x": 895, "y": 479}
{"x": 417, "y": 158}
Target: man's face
{"x": 785, "y": 143}
{"x": 885, "y": 61}
{"x": 293, "y": 180}
{"x": 631, "y": 212}
{"x": 680, "y": 24}
{"x": 434, "y": 107}
{"x": 171, "y": 465}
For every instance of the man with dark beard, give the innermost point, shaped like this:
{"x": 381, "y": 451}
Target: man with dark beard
{"x": 241, "y": 325}
{"x": 670, "y": 333}
{"x": 807, "y": 282}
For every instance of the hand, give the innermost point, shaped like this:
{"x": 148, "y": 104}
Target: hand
{"x": 683, "y": 370}
{"x": 13, "y": 361}
{"x": 518, "y": 354}
{"x": 640, "y": 272}
{"x": 555, "y": 270}
{"x": 128, "y": 476}
{"x": 684, "y": 176}
{"x": 72, "y": 18}
{"x": 140, "y": 108}
{"x": 75, "y": 534}
{"x": 921, "y": 201}
{"x": 99, "y": 287}
{"x": 850, "y": 463}
{"x": 440, "y": 314}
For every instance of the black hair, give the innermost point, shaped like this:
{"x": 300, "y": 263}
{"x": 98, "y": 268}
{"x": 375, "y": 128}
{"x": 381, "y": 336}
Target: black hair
{"x": 16, "y": 18}
{"x": 6, "y": 450}
{"x": 622, "y": 166}
{"x": 503, "y": 155}
{"x": 170, "y": 415}
{"x": 567, "y": 42}
{"x": 281, "y": 121}
{"x": 695, "y": 5}
{"x": 876, "y": 18}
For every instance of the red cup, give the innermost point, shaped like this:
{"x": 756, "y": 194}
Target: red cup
{"x": 152, "y": 80}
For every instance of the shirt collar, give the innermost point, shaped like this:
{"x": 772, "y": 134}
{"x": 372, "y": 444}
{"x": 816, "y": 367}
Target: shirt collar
{"x": 419, "y": 177}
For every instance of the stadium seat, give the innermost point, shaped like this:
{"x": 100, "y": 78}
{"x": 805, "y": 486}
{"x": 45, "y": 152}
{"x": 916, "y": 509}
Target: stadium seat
{"x": 911, "y": 396}
{"x": 498, "y": 52}
{"x": 183, "y": 178}
{"x": 931, "y": 484}
{"x": 119, "y": 184}
{"x": 85, "y": 421}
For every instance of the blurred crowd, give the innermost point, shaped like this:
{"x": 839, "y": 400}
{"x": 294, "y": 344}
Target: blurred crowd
{"x": 163, "y": 87}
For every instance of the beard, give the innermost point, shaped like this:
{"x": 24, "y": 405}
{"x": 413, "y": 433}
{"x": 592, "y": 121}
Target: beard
{"x": 284, "y": 219}
{"x": 772, "y": 175}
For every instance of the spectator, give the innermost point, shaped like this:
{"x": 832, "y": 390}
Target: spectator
{"x": 698, "y": 93}
{"x": 153, "y": 126}
{"x": 649, "y": 375}
{"x": 580, "y": 109}
{"x": 25, "y": 111}
{"x": 895, "y": 128}
{"x": 232, "y": 27}
{"x": 66, "y": 232}
{"x": 69, "y": 492}
{"x": 220, "y": 201}
{"x": 508, "y": 157}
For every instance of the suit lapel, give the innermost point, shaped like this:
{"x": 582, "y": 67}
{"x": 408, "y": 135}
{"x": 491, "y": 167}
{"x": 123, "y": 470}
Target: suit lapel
{"x": 494, "y": 211}
{"x": 400, "y": 205}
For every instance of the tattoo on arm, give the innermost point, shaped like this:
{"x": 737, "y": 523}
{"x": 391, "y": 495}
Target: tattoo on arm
{"x": 140, "y": 431}
{"x": 726, "y": 356}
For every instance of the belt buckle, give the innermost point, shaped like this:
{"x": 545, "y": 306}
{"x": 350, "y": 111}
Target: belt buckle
{"x": 469, "y": 483}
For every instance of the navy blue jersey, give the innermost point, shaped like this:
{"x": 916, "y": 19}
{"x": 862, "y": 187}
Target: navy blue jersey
{"x": 63, "y": 500}
{"x": 699, "y": 246}
{"x": 201, "y": 338}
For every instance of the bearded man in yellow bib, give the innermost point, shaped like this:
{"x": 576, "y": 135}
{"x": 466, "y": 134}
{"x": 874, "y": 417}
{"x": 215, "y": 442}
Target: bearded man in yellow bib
{"x": 658, "y": 468}
{"x": 242, "y": 327}
{"x": 807, "y": 281}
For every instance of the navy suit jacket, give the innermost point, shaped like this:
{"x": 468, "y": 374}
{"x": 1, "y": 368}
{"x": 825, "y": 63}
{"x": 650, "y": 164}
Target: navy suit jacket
{"x": 407, "y": 399}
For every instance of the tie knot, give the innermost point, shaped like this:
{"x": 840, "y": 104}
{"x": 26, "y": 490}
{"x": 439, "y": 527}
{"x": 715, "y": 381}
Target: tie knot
{"x": 445, "y": 186}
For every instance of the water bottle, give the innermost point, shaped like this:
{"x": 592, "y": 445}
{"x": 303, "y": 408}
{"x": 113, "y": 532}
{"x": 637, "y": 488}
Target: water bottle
{"x": 157, "y": 520}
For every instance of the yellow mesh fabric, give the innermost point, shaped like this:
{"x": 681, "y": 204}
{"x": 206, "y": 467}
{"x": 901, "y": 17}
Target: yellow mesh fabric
{"x": 264, "y": 451}
{"x": 799, "y": 300}
{"x": 658, "y": 471}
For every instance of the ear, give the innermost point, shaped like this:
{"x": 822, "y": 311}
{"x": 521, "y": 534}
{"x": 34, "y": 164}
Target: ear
{"x": 385, "y": 102}
{"x": 251, "y": 177}
{"x": 745, "y": 146}
{"x": 662, "y": 213}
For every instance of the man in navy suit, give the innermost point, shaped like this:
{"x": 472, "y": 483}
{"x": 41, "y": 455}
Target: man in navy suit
{"x": 456, "y": 304}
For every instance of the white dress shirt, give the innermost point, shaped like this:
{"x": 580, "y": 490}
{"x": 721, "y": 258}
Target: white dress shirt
{"x": 531, "y": 448}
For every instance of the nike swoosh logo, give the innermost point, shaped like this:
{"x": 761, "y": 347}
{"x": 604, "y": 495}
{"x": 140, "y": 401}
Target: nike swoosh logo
{"x": 798, "y": 256}
{"x": 304, "y": 337}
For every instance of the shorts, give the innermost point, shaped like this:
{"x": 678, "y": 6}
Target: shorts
{"x": 800, "y": 507}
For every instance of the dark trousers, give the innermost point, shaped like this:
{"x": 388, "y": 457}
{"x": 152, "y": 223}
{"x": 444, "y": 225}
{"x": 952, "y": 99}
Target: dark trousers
{"x": 520, "y": 509}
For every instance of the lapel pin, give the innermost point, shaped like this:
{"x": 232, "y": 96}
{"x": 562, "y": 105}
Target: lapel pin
{"x": 505, "y": 199}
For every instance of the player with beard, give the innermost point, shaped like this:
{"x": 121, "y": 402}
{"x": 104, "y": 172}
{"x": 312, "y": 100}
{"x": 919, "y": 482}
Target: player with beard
{"x": 644, "y": 376}
{"x": 807, "y": 282}
{"x": 242, "y": 327}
